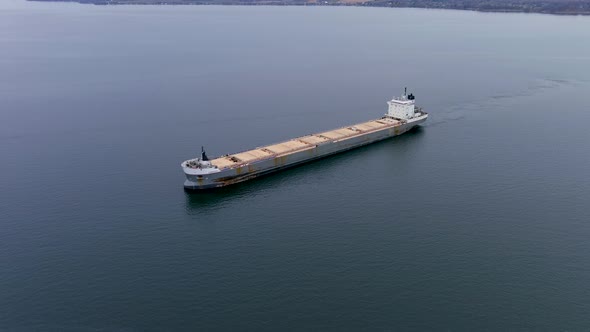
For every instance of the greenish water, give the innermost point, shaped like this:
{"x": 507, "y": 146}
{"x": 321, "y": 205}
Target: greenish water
{"x": 478, "y": 220}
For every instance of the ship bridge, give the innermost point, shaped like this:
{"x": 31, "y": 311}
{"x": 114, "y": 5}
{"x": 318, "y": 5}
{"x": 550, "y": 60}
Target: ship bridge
{"x": 403, "y": 108}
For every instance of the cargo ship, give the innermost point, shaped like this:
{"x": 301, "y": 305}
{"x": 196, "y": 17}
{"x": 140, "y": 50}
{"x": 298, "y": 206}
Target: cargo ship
{"x": 204, "y": 173}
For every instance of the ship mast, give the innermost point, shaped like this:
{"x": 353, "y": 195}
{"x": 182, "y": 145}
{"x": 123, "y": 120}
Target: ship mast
{"x": 203, "y": 154}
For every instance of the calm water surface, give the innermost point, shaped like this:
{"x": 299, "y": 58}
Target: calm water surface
{"x": 478, "y": 220}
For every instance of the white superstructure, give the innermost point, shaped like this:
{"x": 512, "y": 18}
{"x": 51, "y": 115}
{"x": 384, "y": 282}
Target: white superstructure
{"x": 403, "y": 108}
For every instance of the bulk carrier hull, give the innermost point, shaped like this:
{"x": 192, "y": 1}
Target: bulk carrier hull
{"x": 231, "y": 169}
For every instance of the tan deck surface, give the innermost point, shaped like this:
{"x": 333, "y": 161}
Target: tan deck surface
{"x": 374, "y": 124}
{"x": 312, "y": 139}
{"x": 389, "y": 121}
{"x": 222, "y": 162}
{"x": 252, "y": 155}
{"x": 339, "y": 133}
{"x": 301, "y": 143}
{"x": 286, "y": 146}
{"x": 364, "y": 127}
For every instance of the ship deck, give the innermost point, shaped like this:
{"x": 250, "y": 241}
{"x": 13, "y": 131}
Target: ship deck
{"x": 302, "y": 143}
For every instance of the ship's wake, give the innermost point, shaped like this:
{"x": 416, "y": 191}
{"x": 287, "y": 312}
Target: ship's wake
{"x": 499, "y": 102}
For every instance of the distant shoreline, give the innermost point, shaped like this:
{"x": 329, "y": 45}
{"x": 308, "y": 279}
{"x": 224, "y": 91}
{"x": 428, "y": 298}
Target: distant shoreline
{"x": 553, "y": 7}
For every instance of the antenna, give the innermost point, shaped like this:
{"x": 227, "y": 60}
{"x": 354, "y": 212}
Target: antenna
{"x": 405, "y": 91}
{"x": 203, "y": 155}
